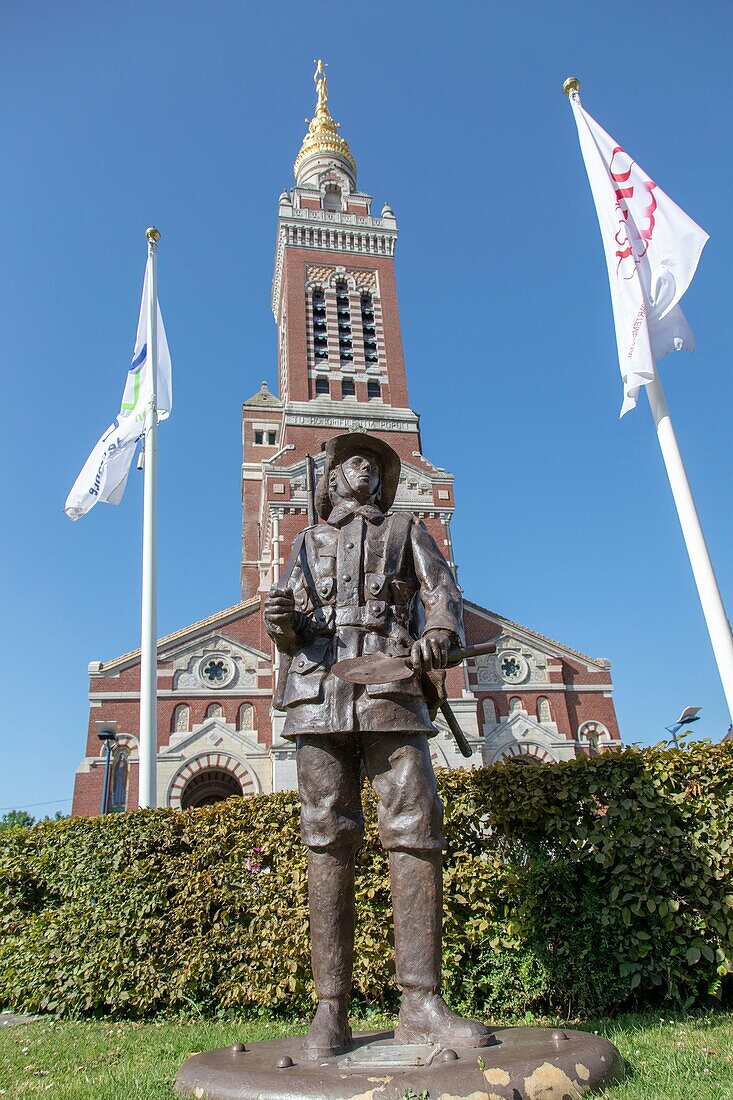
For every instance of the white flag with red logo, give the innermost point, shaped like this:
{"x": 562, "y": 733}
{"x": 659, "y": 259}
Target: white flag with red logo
{"x": 652, "y": 250}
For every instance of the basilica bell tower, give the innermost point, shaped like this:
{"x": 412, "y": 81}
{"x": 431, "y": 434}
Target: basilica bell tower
{"x": 340, "y": 359}
{"x": 341, "y": 368}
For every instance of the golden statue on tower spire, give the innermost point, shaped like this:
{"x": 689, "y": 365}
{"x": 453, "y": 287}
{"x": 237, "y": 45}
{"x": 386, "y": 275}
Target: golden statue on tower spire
{"x": 323, "y": 136}
{"x": 321, "y": 82}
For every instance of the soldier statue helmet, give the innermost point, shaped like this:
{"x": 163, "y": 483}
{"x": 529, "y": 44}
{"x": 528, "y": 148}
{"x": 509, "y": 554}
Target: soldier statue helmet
{"x": 368, "y": 581}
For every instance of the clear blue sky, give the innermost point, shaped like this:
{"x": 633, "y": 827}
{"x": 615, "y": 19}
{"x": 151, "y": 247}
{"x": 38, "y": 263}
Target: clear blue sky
{"x": 189, "y": 116}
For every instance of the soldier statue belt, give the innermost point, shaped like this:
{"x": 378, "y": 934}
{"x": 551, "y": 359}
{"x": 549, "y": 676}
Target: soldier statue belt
{"x": 372, "y": 615}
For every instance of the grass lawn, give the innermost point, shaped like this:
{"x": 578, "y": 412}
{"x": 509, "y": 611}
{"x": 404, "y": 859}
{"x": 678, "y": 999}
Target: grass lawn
{"x": 682, "y": 1058}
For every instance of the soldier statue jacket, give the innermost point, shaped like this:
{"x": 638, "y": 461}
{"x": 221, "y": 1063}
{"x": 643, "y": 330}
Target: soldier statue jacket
{"x": 364, "y": 583}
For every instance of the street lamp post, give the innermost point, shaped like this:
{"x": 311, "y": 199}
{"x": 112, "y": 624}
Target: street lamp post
{"x": 108, "y": 738}
{"x": 688, "y": 716}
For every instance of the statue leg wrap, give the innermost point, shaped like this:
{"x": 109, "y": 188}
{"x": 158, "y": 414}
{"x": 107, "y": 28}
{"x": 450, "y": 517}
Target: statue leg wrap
{"x": 331, "y": 904}
{"x": 417, "y": 898}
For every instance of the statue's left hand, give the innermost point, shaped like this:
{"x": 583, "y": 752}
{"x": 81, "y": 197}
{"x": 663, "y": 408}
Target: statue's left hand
{"x": 431, "y": 651}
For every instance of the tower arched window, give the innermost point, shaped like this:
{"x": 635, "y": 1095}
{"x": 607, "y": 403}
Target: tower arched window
{"x": 332, "y": 197}
{"x": 368, "y": 329}
{"x": 592, "y": 733}
{"x": 215, "y": 711}
{"x": 320, "y": 337}
{"x": 181, "y": 719}
{"x": 515, "y": 704}
{"x": 343, "y": 316}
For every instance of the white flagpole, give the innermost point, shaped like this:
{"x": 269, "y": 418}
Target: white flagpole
{"x": 702, "y": 567}
{"x": 148, "y": 780}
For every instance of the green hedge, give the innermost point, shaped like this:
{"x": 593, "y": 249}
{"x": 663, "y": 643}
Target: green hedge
{"x": 570, "y": 888}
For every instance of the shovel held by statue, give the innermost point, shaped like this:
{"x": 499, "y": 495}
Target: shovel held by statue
{"x": 376, "y": 668}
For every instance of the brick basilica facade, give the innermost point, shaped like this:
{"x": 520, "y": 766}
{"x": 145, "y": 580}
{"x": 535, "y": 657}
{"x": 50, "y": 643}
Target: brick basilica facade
{"x": 340, "y": 369}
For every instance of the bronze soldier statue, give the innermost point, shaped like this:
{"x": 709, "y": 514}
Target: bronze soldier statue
{"x": 369, "y": 582}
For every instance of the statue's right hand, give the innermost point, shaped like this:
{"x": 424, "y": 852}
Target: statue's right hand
{"x": 280, "y": 606}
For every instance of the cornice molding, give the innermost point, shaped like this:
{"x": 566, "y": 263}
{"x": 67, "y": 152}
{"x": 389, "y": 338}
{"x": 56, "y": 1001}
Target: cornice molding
{"x": 183, "y": 694}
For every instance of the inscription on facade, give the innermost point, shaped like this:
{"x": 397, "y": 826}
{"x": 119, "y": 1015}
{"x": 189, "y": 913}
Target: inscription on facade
{"x": 350, "y": 424}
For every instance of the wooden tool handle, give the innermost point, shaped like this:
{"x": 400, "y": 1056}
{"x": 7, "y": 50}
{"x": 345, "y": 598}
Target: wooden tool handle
{"x": 455, "y": 729}
{"x": 457, "y": 655}
{"x": 454, "y": 658}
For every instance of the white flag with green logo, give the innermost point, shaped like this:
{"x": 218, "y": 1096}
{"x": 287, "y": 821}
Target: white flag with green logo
{"x": 104, "y": 475}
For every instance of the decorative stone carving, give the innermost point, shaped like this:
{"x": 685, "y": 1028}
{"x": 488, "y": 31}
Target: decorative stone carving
{"x": 187, "y": 681}
{"x": 489, "y": 709}
{"x": 521, "y": 733}
{"x": 513, "y": 667}
{"x": 322, "y": 274}
{"x": 513, "y": 663}
{"x": 215, "y": 665}
{"x": 216, "y": 670}
{"x": 413, "y": 489}
{"x": 245, "y": 720}
{"x": 181, "y": 719}
{"x": 544, "y": 713}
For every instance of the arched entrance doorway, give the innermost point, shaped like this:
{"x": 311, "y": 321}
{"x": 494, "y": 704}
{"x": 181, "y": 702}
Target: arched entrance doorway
{"x": 528, "y": 752}
{"x": 210, "y": 777}
{"x": 209, "y": 786}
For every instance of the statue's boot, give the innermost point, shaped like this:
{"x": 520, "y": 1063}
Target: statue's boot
{"x": 331, "y": 903}
{"x": 417, "y": 899}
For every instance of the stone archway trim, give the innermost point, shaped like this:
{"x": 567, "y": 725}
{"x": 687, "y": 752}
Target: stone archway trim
{"x": 204, "y": 763}
{"x": 593, "y": 726}
{"x": 530, "y": 749}
{"x": 123, "y": 741}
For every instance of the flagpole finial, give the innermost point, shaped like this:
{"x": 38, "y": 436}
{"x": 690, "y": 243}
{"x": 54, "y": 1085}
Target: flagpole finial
{"x": 572, "y": 84}
{"x": 152, "y": 234}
